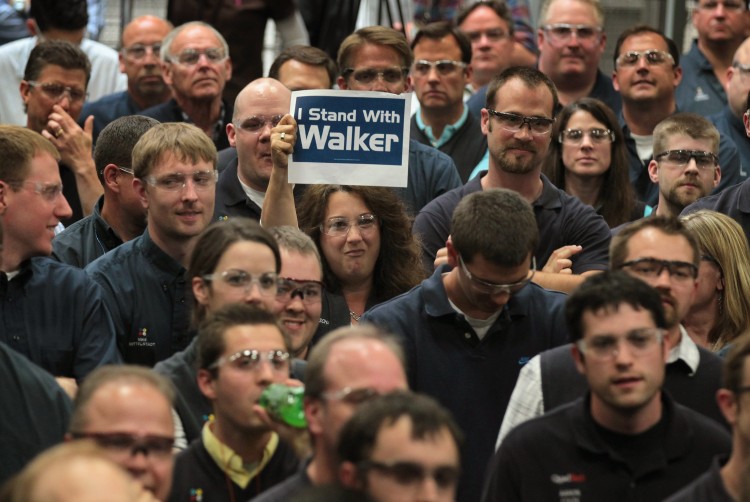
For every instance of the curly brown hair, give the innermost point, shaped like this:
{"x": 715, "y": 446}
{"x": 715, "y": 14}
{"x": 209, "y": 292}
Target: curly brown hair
{"x": 398, "y": 267}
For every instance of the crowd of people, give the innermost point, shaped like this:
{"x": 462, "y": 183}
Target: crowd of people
{"x": 555, "y": 307}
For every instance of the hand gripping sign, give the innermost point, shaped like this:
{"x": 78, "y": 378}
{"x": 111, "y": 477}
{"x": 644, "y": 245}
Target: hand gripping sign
{"x": 350, "y": 138}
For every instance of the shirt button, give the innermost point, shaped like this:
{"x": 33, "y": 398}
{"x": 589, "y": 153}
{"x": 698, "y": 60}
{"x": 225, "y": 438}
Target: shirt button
{"x": 16, "y": 338}
{"x": 467, "y": 335}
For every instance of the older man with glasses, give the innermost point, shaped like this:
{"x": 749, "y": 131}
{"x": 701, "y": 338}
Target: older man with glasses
{"x": 469, "y": 328}
{"x": 196, "y": 67}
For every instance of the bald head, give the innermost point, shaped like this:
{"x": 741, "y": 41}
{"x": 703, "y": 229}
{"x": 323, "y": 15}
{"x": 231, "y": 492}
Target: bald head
{"x": 262, "y": 96}
{"x": 738, "y": 84}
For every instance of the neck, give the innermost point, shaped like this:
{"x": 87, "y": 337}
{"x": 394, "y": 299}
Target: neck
{"x": 720, "y": 55}
{"x": 12, "y": 259}
{"x": 203, "y": 113}
{"x": 674, "y": 337}
{"x": 323, "y": 468}
{"x": 456, "y": 295}
{"x": 480, "y": 78}
{"x": 440, "y": 118}
{"x": 144, "y": 101}
{"x": 700, "y": 320}
{"x": 586, "y": 188}
{"x": 627, "y": 421}
{"x": 249, "y": 447}
{"x": 125, "y": 227}
{"x": 356, "y": 295}
{"x": 667, "y": 208}
{"x": 529, "y": 185}
{"x": 643, "y": 116}
{"x": 731, "y": 473}
{"x": 179, "y": 250}
{"x": 573, "y": 87}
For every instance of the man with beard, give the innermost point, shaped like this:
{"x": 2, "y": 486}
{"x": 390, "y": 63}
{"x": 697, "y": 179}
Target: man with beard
{"x": 573, "y": 238}
{"x": 685, "y": 163}
{"x": 139, "y": 60}
{"x": 661, "y": 252}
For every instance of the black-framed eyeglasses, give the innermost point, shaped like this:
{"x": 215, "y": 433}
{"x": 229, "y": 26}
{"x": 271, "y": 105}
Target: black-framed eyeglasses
{"x": 257, "y": 123}
{"x": 56, "y": 92}
{"x": 653, "y": 268}
{"x": 607, "y": 347}
{"x": 340, "y": 226}
{"x": 653, "y": 57}
{"x": 514, "y": 122}
{"x": 443, "y": 67}
{"x": 49, "y": 191}
{"x": 176, "y": 182}
{"x": 190, "y": 57}
{"x": 251, "y": 359}
{"x": 351, "y": 395}
{"x": 136, "y": 52}
{"x": 680, "y": 158}
{"x": 368, "y": 75}
{"x": 412, "y": 474}
{"x": 267, "y": 282}
{"x": 595, "y": 134}
{"x": 562, "y": 32}
{"x": 496, "y": 289}
{"x": 310, "y": 292}
{"x": 129, "y": 445}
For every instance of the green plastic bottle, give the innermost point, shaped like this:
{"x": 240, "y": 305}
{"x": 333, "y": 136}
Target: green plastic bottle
{"x": 284, "y": 404}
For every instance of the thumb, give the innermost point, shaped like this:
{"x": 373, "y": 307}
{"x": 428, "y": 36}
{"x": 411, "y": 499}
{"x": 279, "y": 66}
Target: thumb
{"x": 88, "y": 126}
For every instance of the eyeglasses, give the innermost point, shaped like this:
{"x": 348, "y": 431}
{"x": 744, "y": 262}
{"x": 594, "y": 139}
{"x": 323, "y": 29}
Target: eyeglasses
{"x": 652, "y": 268}
{"x": 561, "y": 33}
{"x": 250, "y": 360}
{"x": 368, "y": 75}
{"x": 653, "y": 57}
{"x": 56, "y": 92}
{"x": 680, "y": 158}
{"x": 513, "y": 122}
{"x": 190, "y": 57}
{"x": 351, "y": 395}
{"x": 607, "y": 347}
{"x": 126, "y": 170}
{"x": 202, "y": 180}
{"x": 48, "y": 191}
{"x": 444, "y": 66}
{"x": 257, "y": 123}
{"x": 340, "y": 226}
{"x": 494, "y": 35}
{"x": 496, "y": 289}
{"x": 136, "y": 52}
{"x": 267, "y": 283}
{"x": 595, "y": 135}
{"x": 309, "y": 291}
{"x": 130, "y": 445}
{"x": 412, "y": 474}
{"x": 730, "y": 6}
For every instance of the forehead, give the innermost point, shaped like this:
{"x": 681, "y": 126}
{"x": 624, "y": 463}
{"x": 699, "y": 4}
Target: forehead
{"x": 144, "y": 30}
{"x": 581, "y": 118}
{"x": 296, "y": 265}
{"x": 195, "y": 37}
{"x": 60, "y": 75}
{"x": 644, "y": 41}
{"x": 515, "y": 96}
{"x": 129, "y": 407}
{"x": 264, "y": 100}
{"x": 447, "y": 45}
{"x": 653, "y": 243}
{"x": 372, "y": 55}
{"x": 170, "y": 163}
{"x": 293, "y": 70}
{"x": 43, "y": 167}
{"x": 395, "y": 441}
{"x": 262, "y": 337}
{"x": 686, "y": 142}
{"x": 615, "y": 319}
{"x": 364, "y": 363}
{"x": 345, "y": 204}
{"x": 254, "y": 257}
{"x": 483, "y": 17}
{"x": 572, "y": 12}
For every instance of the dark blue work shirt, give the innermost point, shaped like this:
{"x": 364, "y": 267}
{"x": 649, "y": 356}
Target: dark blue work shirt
{"x": 699, "y": 90}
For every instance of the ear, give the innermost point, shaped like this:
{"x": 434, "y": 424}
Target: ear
{"x": 139, "y": 186}
{"x": 228, "y": 68}
{"x": 206, "y": 384}
{"x": 603, "y": 42}
{"x": 409, "y": 85}
{"x": 578, "y": 359}
{"x": 653, "y": 171}
{"x": 32, "y": 27}
{"x": 200, "y": 290}
{"x": 746, "y": 121}
{"x": 166, "y": 73}
{"x": 539, "y": 38}
{"x": 341, "y": 81}
{"x": 677, "y": 75}
{"x": 122, "y": 62}
{"x": 452, "y": 253}
{"x": 4, "y": 190}
{"x": 717, "y": 176}
{"x": 468, "y": 72}
{"x": 727, "y": 404}
{"x": 484, "y": 122}
{"x": 314, "y": 415}
{"x": 615, "y": 83}
{"x": 232, "y": 134}
{"x": 348, "y": 476}
{"x": 24, "y": 88}
{"x": 110, "y": 174}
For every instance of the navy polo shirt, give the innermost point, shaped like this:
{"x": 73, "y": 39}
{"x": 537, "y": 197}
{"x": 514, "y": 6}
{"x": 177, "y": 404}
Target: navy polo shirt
{"x": 472, "y": 378}
{"x": 732, "y": 127}
{"x": 146, "y": 292}
{"x": 734, "y": 202}
{"x": 562, "y": 220}
{"x": 699, "y": 90}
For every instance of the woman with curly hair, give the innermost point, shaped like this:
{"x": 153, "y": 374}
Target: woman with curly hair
{"x": 721, "y": 309}
{"x": 587, "y": 159}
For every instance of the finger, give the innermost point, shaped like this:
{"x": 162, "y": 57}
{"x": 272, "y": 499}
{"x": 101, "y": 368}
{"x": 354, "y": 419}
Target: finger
{"x": 288, "y": 120}
{"x": 88, "y": 126}
{"x": 568, "y": 251}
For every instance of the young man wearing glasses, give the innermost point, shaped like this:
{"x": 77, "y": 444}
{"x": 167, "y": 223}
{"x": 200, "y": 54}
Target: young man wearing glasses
{"x": 521, "y": 104}
{"x": 625, "y": 436}
{"x": 646, "y": 74}
{"x": 571, "y": 42}
{"x": 440, "y": 73}
{"x": 174, "y": 169}
{"x": 139, "y": 61}
{"x": 661, "y": 252}
{"x": 469, "y": 328}
{"x": 241, "y": 350}
{"x": 685, "y": 163}
{"x": 196, "y": 67}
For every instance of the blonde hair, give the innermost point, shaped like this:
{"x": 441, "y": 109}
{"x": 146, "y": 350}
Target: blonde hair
{"x": 723, "y": 239}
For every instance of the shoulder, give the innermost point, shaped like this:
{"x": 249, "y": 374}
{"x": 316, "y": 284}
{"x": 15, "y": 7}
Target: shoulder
{"x": 115, "y": 259}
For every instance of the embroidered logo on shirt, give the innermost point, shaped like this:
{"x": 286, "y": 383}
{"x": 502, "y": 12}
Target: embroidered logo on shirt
{"x": 700, "y": 95}
{"x": 196, "y": 494}
{"x": 571, "y": 477}
{"x": 142, "y": 339}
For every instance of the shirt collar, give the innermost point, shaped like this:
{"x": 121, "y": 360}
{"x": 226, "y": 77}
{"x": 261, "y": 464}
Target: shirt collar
{"x": 686, "y": 351}
{"x": 448, "y": 132}
{"x": 218, "y": 128}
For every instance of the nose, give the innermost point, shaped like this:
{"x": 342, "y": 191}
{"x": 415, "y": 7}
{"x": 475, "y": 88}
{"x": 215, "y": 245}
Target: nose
{"x": 433, "y": 74}
{"x": 295, "y": 303}
{"x": 691, "y": 166}
{"x": 137, "y": 463}
{"x": 428, "y": 490}
{"x": 252, "y": 294}
{"x": 64, "y": 100}
{"x": 188, "y": 191}
{"x": 524, "y": 131}
{"x": 354, "y": 234}
{"x": 265, "y": 132}
{"x": 62, "y": 208}
{"x": 586, "y": 141}
{"x": 501, "y": 298}
{"x": 622, "y": 355}
{"x": 264, "y": 373}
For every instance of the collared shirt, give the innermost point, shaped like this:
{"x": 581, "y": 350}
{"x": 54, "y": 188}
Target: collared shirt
{"x": 217, "y": 130}
{"x": 734, "y": 202}
{"x": 709, "y": 487}
{"x": 699, "y": 91}
{"x": 527, "y": 400}
{"x": 85, "y": 240}
{"x": 732, "y": 126}
{"x": 108, "y": 109}
{"x": 231, "y": 463}
{"x": 171, "y": 112}
{"x": 146, "y": 292}
{"x": 448, "y": 131}
{"x": 55, "y": 315}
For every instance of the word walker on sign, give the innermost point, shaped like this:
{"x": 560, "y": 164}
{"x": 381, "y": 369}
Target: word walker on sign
{"x": 352, "y": 139}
